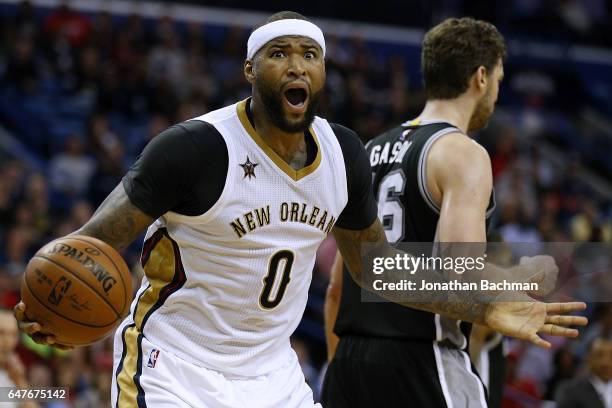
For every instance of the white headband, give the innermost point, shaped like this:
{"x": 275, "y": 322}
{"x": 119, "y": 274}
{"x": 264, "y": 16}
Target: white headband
{"x": 281, "y": 28}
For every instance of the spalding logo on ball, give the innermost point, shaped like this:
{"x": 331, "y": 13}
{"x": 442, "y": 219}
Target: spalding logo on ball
{"x": 78, "y": 288}
{"x": 83, "y": 257}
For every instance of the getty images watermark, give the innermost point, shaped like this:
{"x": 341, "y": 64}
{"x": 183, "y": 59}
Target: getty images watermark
{"x": 421, "y": 271}
{"x": 451, "y": 265}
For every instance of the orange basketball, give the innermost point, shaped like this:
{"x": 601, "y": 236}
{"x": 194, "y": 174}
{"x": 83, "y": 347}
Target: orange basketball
{"x": 78, "y": 288}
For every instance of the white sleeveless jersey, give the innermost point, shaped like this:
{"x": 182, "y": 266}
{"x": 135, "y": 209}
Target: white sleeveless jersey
{"x": 226, "y": 289}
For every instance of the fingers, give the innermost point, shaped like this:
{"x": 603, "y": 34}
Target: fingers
{"x": 567, "y": 320}
{"x": 33, "y": 329}
{"x": 538, "y": 341}
{"x": 558, "y": 331}
{"x": 30, "y": 328}
{"x": 25, "y": 325}
{"x": 19, "y": 311}
{"x": 564, "y": 308}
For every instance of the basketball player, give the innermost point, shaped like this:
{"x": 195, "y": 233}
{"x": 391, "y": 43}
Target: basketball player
{"x": 441, "y": 190}
{"x": 236, "y": 203}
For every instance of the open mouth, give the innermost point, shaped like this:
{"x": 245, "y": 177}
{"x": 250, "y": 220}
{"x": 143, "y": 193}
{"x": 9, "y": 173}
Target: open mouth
{"x": 296, "y": 97}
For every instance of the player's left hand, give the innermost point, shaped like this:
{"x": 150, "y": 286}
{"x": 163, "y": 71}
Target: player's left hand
{"x": 526, "y": 318}
{"x": 540, "y": 269}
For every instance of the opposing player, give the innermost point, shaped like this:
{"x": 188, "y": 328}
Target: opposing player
{"x": 236, "y": 203}
{"x": 433, "y": 183}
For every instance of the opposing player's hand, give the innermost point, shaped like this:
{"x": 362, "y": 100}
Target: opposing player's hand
{"x": 34, "y": 329}
{"x": 526, "y": 319}
{"x": 541, "y": 269}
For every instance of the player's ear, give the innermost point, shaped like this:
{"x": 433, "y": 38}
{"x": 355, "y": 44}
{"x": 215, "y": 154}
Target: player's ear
{"x": 480, "y": 78}
{"x": 248, "y": 71}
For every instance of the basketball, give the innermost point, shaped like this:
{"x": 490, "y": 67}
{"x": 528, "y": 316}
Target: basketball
{"x": 78, "y": 288}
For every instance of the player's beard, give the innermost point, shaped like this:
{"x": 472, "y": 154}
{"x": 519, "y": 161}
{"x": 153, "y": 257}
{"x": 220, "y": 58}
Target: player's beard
{"x": 273, "y": 105}
{"x": 482, "y": 113}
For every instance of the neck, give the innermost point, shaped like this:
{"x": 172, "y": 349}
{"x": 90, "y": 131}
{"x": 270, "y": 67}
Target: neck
{"x": 456, "y": 111}
{"x": 286, "y": 145}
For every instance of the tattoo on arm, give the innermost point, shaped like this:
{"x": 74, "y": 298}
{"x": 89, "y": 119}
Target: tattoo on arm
{"x": 117, "y": 221}
{"x": 350, "y": 245}
{"x": 359, "y": 248}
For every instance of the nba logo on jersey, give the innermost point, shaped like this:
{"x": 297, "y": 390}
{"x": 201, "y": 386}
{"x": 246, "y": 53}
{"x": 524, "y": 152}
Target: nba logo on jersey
{"x": 153, "y": 358}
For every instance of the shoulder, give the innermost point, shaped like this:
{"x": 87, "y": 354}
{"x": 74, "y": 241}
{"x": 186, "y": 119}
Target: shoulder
{"x": 345, "y": 134}
{"x": 192, "y": 137}
{"x": 219, "y": 115}
{"x": 575, "y": 389}
{"x": 457, "y": 146}
{"x": 456, "y": 151}
{"x": 347, "y": 138}
{"x": 580, "y": 383}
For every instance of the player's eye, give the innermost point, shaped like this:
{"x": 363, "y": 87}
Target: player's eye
{"x": 310, "y": 55}
{"x": 277, "y": 54}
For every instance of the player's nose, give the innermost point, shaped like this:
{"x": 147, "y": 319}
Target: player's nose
{"x": 296, "y": 65}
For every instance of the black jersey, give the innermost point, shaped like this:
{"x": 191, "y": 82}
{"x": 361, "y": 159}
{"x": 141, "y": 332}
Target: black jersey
{"x": 408, "y": 214}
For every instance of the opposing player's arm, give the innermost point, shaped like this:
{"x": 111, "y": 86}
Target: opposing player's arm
{"x": 461, "y": 173}
{"x": 359, "y": 248}
{"x": 117, "y": 221}
{"x": 359, "y": 245}
{"x": 332, "y": 304}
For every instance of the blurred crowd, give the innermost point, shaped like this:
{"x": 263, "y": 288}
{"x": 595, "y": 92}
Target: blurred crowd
{"x": 583, "y": 21}
{"x": 83, "y": 93}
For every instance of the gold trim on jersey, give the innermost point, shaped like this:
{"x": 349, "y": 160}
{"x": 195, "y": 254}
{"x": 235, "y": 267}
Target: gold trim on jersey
{"x": 165, "y": 274}
{"x": 160, "y": 270}
{"x": 272, "y": 155}
{"x": 126, "y": 379}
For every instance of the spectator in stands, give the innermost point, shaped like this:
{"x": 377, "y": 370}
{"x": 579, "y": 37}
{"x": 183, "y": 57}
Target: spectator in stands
{"x": 71, "y": 170}
{"x": 12, "y": 370}
{"x": 36, "y": 199}
{"x": 25, "y": 20}
{"x": 517, "y": 227}
{"x": 564, "y": 370}
{"x": 19, "y": 243}
{"x": 519, "y": 392}
{"x": 167, "y": 59}
{"x": 22, "y": 69}
{"x": 583, "y": 223}
{"x": 70, "y": 24}
{"x": 88, "y": 70}
{"x": 600, "y": 326}
{"x": 595, "y": 389}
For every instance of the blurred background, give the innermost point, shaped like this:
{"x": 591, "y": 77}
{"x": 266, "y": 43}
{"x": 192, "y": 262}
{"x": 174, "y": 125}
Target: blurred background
{"x": 85, "y": 85}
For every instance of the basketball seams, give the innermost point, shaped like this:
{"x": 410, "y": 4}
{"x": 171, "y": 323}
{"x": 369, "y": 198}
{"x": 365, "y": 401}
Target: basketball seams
{"x": 27, "y": 285}
{"x": 76, "y": 238}
{"x": 82, "y": 280}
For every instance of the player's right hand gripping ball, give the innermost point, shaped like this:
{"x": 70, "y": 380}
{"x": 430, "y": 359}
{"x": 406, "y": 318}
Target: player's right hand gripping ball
{"x": 78, "y": 288}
